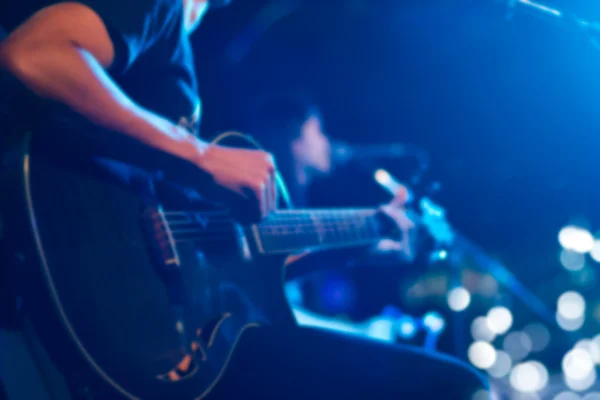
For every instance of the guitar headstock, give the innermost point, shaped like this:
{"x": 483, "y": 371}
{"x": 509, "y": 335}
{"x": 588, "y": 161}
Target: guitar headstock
{"x": 433, "y": 219}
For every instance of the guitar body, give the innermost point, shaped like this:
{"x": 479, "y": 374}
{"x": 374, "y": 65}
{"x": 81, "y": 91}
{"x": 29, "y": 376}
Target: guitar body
{"x": 115, "y": 302}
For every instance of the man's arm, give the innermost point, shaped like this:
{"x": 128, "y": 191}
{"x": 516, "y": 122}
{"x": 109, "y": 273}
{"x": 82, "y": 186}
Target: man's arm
{"x": 61, "y": 54}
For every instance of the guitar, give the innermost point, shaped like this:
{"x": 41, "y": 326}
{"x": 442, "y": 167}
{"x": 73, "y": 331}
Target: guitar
{"x": 146, "y": 298}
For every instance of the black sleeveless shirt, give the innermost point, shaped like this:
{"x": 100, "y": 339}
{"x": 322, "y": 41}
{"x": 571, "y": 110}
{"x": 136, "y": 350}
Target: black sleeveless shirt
{"x": 153, "y": 59}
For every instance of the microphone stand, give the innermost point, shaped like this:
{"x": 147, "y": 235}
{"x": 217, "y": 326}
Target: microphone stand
{"x": 462, "y": 248}
{"x": 554, "y": 15}
{"x": 459, "y": 248}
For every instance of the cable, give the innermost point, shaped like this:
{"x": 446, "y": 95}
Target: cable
{"x": 281, "y": 186}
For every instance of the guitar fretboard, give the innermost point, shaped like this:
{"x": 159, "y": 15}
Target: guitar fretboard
{"x": 296, "y": 230}
{"x": 287, "y": 231}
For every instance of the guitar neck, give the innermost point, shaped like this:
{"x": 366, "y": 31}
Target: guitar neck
{"x": 291, "y": 231}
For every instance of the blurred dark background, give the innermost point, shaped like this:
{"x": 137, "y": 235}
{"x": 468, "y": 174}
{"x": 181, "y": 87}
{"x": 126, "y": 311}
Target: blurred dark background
{"x": 506, "y": 109}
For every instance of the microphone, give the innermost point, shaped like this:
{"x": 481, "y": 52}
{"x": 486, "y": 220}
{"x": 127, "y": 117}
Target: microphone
{"x": 343, "y": 152}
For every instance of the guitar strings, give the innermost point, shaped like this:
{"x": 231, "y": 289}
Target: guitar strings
{"x": 264, "y": 225}
{"x": 295, "y": 221}
{"x": 219, "y": 225}
{"x": 343, "y": 231}
{"x": 294, "y": 212}
{"x": 268, "y": 220}
{"x": 272, "y": 228}
{"x": 208, "y": 238}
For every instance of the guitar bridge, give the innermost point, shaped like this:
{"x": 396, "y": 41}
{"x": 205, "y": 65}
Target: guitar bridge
{"x": 161, "y": 238}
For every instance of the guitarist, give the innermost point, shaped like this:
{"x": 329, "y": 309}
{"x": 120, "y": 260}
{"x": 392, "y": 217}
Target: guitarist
{"x": 291, "y": 127}
{"x": 127, "y": 67}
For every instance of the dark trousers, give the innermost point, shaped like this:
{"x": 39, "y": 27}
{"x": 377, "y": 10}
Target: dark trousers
{"x": 294, "y": 364}
{"x": 308, "y": 363}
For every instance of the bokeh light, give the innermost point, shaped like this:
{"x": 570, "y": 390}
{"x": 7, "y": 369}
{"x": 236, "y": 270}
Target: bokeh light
{"x": 540, "y": 336}
{"x": 596, "y": 341}
{"x": 581, "y": 385}
{"x": 529, "y": 377}
{"x": 591, "y": 347}
{"x": 481, "y": 395}
{"x": 567, "y": 396}
{"x": 480, "y": 330}
{"x": 502, "y": 366}
{"x": 459, "y": 299}
{"x": 517, "y": 345}
{"x": 381, "y": 329}
{"x": 578, "y": 369}
{"x": 485, "y": 395}
{"x": 406, "y": 327}
{"x": 571, "y": 305}
{"x": 576, "y": 239}
{"x": 595, "y": 252}
{"x": 434, "y": 322}
{"x": 571, "y": 260}
{"x": 383, "y": 177}
{"x": 499, "y": 320}
{"x": 488, "y": 286}
{"x": 482, "y": 354}
{"x": 293, "y": 292}
{"x": 569, "y": 324}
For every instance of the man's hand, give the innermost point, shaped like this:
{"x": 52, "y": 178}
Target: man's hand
{"x": 396, "y": 212}
{"x": 62, "y": 53}
{"x": 248, "y": 175}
